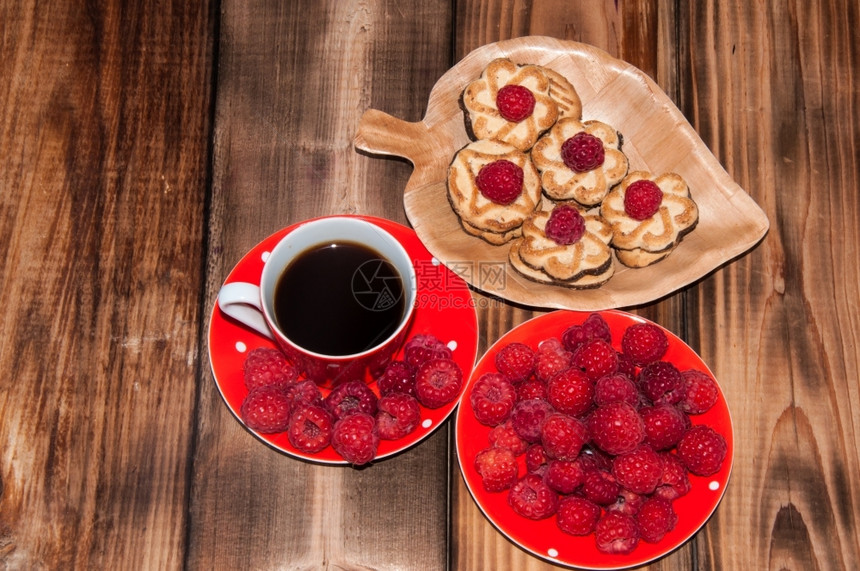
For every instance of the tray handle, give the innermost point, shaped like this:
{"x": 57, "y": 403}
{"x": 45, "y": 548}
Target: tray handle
{"x": 382, "y": 134}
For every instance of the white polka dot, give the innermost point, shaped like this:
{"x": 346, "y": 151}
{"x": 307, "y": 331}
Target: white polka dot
{"x": 265, "y": 256}
{"x": 435, "y": 261}
{"x": 241, "y": 347}
{"x": 552, "y": 552}
{"x": 714, "y": 485}
{"x": 426, "y": 423}
{"x": 452, "y": 345}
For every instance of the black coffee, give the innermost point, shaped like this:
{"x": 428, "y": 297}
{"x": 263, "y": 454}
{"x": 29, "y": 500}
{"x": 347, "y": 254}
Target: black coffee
{"x": 339, "y": 299}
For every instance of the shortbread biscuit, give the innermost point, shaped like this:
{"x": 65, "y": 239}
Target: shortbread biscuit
{"x": 643, "y": 242}
{"x": 494, "y": 238}
{"x": 482, "y": 116}
{"x": 586, "y": 281}
{"x": 477, "y": 212}
{"x": 562, "y": 182}
{"x": 564, "y": 94}
{"x": 590, "y": 255}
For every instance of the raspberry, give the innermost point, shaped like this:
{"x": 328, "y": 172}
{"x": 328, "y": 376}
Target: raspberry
{"x": 397, "y": 416}
{"x": 583, "y": 152}
{"x": 265, "y": 367}
{"x": 424, "y": 347}
{"x": 516, "y": 361}
{"x": 570, "y": 392}
{"x": 536, "y": 460}
{"x": 310, "y": 428}
{"x": 438, "y": 382}
{"x": 577, "y": 516}
{"x": 504, "y": 436}
{"x": 562, "y": 436}
{"x": 664, "y": 425}
{"x": 593, "y": 459}
{"x": 515, "y": 103}
{"x": 531, "y": 498}
{"x": 596, "y": 358}
{"x": 266, "y": 409}
{"x": 528, "y": 417}
{"x": 615, "y": 388}
{"x": 627, "y": 502}
{"x": 626, "y": 365}
{"x": 616, "y": 428}
{"x": 351, "y": 397}
{"x": 674, "y": 483}
{"x": 563, "y": 476}
{"x": 552, "y": 358}
{"x": 497, "y": 468}
{"x": 398, "y": 377}
{"x": 639, "y": 470}
{"x": 500, "y": 181}
{"x": 644, "y": 343}
{"x": 662, "y": 383}
{"x": 702, "y": 450}
{"x": 701, "y": 392}
{"x": 616, "y": 533}
{"x": 355, "y": 438}
{"x": 655, "y": 518}
{"x": 642, "y": 199}
{"x": 565, "y": 225}
{"x": 600, "y": 487}
{"x": 493, "y": 397}
{"x": 304, "y": 392}
{"x": 531, "y": 388}
{"x": 594, "y": 327}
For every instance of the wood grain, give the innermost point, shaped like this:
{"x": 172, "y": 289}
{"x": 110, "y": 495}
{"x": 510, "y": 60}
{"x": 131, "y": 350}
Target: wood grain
{"x": 293, "y": 80}
{"x": 783, "y": 337}
{"x": 103, "y": 145}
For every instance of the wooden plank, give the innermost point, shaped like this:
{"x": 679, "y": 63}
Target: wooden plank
{"x": 772, "y": 89}
{"x": 642, "y": 33}
{"x": 294, "y": 79}
{"x": 104, "y": 130}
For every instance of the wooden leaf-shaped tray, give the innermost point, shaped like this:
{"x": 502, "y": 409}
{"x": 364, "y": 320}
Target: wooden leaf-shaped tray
{"x": 657, "y": 137}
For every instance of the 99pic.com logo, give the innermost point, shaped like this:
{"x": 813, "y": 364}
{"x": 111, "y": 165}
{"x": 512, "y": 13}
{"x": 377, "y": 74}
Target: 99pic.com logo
{"x": 377, "y": 286}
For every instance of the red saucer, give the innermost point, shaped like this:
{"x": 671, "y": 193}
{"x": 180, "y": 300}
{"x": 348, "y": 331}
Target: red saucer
{"x": 444, "y": 309}
{"x": 544, "y": 538}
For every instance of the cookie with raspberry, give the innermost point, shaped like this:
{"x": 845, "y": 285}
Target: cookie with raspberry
{"x": 580, "y": 160}
{"x": 650, "y": 223}
{"x": 492, "y": 188}
{"x": 573, "y": 254}
{"x": 509, "y": 103}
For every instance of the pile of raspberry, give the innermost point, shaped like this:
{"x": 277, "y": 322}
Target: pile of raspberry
{"x": 601, "y": 439}
{"x": 352, "y": 418}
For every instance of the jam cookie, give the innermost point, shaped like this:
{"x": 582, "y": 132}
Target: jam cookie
{"x": 493, "y": 187}
{"x": 649, "y": 215}
{"x": 579, "y": 161}
{"x": 566, "y": 246}
{"x": 509, "y": 103}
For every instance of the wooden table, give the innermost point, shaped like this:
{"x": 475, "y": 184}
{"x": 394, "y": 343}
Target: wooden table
{"x": 145, "y": 147}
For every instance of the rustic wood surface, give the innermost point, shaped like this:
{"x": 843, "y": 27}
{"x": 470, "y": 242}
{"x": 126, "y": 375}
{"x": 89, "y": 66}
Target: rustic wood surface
{"x": 145, "y": 147}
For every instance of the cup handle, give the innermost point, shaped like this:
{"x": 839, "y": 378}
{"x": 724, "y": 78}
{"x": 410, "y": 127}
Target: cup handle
{"x": 241, "y": 301}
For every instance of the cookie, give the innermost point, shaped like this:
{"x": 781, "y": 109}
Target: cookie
{"x": 480, "y": 214}
{"x": 649, "y": 216}
{"x": 483, "y": 116}
{"x": 579, "y": 161}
